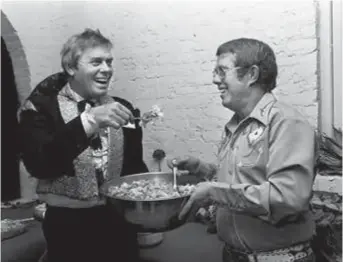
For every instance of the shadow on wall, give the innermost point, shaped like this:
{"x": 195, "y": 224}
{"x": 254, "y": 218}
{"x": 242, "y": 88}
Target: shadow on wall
{"x": 15, "y": 87}
{"x": 10, "y": 186}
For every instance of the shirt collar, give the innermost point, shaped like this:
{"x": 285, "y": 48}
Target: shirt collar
{"x": 231, "y": 125}
{"x": 72, "y": 94}
{"x": 77, "y": 98}
{"x": 260, "y": 113}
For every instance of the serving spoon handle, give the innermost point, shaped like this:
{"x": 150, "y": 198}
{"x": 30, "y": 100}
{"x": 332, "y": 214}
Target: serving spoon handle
{"x": 174, "y": 175}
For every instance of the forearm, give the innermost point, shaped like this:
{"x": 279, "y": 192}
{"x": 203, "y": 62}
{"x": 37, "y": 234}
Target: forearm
{"x": 289, "y": 177}
{"x": 270, "y": 201}
{"x": 205, "y": 170}
{"x": 240, "y": 197}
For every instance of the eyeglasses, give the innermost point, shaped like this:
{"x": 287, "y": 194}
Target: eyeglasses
{"x": 221, "y": 71}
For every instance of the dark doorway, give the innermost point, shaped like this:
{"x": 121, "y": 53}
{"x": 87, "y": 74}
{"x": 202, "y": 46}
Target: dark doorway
{"x": 10, "y": 178}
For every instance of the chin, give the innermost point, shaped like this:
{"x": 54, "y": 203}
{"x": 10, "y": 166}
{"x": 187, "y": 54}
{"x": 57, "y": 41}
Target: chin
{"x": 100, "y": 92}
{"x": 226, "y": 103}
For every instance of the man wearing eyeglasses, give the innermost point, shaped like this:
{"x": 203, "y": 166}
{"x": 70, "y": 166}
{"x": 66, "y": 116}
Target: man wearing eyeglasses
{"x": 265, "y": 170}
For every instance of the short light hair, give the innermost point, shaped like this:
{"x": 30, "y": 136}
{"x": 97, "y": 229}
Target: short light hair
{"x": 78, "y": 43}
{"x": 249, "y": 52}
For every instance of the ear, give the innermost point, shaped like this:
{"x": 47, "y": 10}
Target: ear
{"x": 70, "y": 70}
{"x": 253, "y": 74}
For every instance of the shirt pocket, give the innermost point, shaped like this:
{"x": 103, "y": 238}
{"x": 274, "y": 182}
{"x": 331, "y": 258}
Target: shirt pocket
{"x": 250, "y": 154}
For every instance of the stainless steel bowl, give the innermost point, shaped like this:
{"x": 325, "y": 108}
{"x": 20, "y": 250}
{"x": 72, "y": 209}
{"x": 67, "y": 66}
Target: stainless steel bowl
{"x": 150, "y": 215}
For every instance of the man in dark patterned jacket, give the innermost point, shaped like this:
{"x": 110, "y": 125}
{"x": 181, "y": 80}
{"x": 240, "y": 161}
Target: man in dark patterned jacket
{"x": 75, "y": 138}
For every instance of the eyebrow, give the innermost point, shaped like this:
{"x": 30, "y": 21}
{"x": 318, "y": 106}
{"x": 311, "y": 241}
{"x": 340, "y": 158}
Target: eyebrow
{"x": 101, "y": 58}
{"x": 223, "y": 66}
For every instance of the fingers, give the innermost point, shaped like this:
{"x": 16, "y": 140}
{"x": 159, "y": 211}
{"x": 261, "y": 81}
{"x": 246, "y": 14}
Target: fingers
{"x": 177, "y": 161}
{"x": 121, "y": 112}
{"x": 182, "y": 172}
{"x": 113, "y": 124}
{"x": 114, "y": 115}
{"x": 173, "y": 162}
{"x": 185, "y": 163}
{"x": 200, "y": 195}
{"x": 125, "y": 112}
{"x": 189, "y": 211}
{"x": 119, "y": 115}
{"x": 120, "y": 120}
{"x": 185, "y": 210}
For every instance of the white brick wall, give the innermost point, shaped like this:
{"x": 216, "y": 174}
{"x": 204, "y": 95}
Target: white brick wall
{"x": 165, "y": 54}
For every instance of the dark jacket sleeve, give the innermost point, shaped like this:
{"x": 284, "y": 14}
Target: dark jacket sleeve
{"x": 133, "y": 146}
{"x": 133, "y": 152}
{"x": 49, "y": 145}
{"x": 48, "y": 149}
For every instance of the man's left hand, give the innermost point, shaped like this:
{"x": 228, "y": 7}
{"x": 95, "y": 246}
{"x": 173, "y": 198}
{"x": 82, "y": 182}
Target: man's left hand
{"x": 200, "y": 193}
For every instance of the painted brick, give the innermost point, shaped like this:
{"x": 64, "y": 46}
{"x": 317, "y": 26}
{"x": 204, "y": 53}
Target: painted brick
{"x": 165, "y": 53}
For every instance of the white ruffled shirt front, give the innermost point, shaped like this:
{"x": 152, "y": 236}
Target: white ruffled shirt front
{"x": 99, "y": 156}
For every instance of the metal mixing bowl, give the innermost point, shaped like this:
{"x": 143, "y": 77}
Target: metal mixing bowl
{"x": 150, "y": 215}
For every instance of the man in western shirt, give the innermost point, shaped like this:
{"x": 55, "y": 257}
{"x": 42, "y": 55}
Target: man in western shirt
{"x": 265, "y": 169}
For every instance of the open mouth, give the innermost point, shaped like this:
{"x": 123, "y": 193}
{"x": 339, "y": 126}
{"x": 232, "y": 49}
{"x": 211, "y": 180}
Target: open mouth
{"x": 102, "y": 81}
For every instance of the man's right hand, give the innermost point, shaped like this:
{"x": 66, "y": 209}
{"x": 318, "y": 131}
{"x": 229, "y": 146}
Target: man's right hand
{"x": 188, "y": 163}
{"x": 111, "y": 115}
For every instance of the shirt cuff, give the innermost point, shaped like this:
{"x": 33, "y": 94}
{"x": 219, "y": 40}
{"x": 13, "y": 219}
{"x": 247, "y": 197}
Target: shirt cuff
{"x": 88, "y": 123}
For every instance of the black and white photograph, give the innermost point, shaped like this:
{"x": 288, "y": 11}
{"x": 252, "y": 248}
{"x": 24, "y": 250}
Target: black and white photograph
{"x": 171, "y": 131}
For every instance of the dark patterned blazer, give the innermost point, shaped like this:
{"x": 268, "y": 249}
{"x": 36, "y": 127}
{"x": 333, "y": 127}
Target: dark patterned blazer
{"x": 49, "y": 145}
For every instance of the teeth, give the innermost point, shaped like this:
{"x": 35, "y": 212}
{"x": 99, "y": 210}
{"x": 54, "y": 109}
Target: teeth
{"x": 101, "y": 80}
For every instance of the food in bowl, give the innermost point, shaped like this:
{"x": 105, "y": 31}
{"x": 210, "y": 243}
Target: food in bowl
{"x": 145, "y": 189}
{"x": 159, "y": 214}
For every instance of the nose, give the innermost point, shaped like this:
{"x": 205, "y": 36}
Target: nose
{"x": 216, "y": 79}
{"x": 105, "y": 67}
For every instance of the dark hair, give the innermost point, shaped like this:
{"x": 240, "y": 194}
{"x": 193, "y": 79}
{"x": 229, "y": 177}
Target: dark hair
{"x": 76, "y": 44}
{"x": 249, "y": 52}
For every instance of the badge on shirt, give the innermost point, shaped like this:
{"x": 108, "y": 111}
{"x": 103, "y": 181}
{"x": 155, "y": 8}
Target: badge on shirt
{"x": 255, "y": 134}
